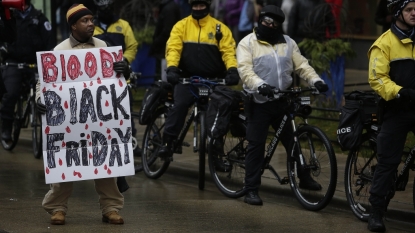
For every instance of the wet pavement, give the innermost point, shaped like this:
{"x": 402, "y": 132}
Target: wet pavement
{"x": 172, "y": 203}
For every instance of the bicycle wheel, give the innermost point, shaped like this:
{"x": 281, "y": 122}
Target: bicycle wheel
{"x": 202, "y": 150}
{"x": 228, "y": 171}
{"x": 320, "y": 161}
{"x": 138, "y": 163}
{"x": 153, "y": 166}
{"x": 360, "y": 168}
{"x": 36, "y": 131}
{"x": 17, "y": 123}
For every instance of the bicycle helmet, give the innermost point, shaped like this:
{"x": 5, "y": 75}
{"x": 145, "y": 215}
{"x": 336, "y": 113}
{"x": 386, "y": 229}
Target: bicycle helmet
{"x": 272, "y": 11}
{"x": 208, "y": 2}
{"x": 103, "y": 2}
{"x": 395, "y": 7}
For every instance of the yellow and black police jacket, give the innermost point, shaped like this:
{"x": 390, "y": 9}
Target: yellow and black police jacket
{"x": 392, "y": 63}
{"x": 193, "y": 48}
{"x": 119, "y": 33}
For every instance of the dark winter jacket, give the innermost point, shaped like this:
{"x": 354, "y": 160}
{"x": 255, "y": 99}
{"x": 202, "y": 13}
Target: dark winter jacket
{"x": 169, "y": 15}
{"x": 310, "y": 19}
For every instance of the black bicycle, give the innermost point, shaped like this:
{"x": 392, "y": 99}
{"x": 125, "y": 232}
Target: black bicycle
{"x": 154, "y": 166}
{"x": 311, "y": 151}
{"x": 26, "y": 114}
{"x": 360, "y": 167}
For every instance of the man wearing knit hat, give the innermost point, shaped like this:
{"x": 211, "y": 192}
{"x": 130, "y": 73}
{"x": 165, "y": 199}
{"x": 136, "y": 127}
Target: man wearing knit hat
{"x": 80, "y": 20}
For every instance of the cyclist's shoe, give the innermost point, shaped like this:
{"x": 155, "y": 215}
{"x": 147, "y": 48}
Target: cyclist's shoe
{"x": 306, "y": 182}
{"x": 375, "y": 222}
{"x": 252, "y": 198}
{"x": 6, "y": 130}
{"x": 58, "y": 218}
{"x": 165, "y": 152}
{"x": 113, "y": 218}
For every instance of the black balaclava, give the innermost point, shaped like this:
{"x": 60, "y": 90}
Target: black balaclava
{"x": 105, "y": 15}
{"x": 268, "y": 34}
{"x": 200, "y": 14}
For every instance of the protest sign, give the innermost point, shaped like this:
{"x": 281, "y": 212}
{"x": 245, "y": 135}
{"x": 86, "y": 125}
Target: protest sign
{"x": 87, "y": 125}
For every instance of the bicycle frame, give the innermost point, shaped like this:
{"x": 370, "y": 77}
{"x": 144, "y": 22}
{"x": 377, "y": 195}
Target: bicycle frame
{"x": 289, "y": 116}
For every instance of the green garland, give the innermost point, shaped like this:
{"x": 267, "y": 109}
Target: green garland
{"x": 320, "y": 54}
{"x": 144, "y": 35}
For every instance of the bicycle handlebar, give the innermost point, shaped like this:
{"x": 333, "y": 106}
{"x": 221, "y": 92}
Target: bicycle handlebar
{"x": 297, "y": 90}
{"x": 200, "y": 80}
{"x": 20, "y": 65}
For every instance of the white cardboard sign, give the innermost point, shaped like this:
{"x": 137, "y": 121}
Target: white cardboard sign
{"x": 87, "y": 125}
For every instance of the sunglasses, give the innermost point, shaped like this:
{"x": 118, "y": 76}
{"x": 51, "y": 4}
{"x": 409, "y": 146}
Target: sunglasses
{"x": 270, "y": 22}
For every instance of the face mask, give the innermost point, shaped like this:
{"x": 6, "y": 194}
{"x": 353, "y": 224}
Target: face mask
{"x": 268, "y": 34}
{"x": 105, "y": 17}
{"x": 200, "y": 14}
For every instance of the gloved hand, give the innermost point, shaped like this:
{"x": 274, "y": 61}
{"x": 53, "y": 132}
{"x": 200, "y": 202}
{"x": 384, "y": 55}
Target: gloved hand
{"x": 232, "y": 77}
{"x": 321, "y": 87}
{"x": 407, "y": 94}
{"x": 122, "y": 67}
{"x": 41, "y": 108}
{"x": 173, "y": 75}
{"x": 266, "y": 90}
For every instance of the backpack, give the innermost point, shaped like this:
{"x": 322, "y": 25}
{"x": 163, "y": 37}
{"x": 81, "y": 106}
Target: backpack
{"x": 155, "y": 96}
{"x": 222, "y": 102}
{"x": 360, "y": 109}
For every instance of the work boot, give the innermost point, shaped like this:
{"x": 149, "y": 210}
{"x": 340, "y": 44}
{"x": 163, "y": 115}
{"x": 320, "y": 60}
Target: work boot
{"x": 252, "y": 198}
{"x": 58, "y": 218}
{"x": 6, "y": 130}
{"x": 113, "y": 218}
{"x": 307, "y": 182}
{"x": 165, "y": 151}
{"x": 375, "y": 222}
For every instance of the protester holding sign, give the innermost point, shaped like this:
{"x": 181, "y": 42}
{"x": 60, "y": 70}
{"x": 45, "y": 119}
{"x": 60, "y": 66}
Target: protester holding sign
{"x": 55, "y": 202}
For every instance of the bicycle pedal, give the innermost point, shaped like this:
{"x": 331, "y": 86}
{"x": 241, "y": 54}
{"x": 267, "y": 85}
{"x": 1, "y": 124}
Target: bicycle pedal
{"x": 186, "y": 144}
{"x": 285, "y": 180}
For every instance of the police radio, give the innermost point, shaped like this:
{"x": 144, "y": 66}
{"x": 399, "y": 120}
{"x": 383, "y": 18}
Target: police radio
{"x": 7, "y": 4}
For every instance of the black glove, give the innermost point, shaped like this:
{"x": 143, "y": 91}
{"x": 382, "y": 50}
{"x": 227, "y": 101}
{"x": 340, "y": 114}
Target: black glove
{"x": 407, "y": 94}
{"x": 122, "y": 67}
{"x": 321, "y": 87}
{"x": 41, "y": 108}
{"x": 266, "y": 90}
{"x": 173, "y": 75}
{"x": 232, "y": 77}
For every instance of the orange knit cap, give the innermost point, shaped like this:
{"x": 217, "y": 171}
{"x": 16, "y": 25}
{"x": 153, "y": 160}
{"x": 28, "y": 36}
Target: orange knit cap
{"x": 76, "y": 12}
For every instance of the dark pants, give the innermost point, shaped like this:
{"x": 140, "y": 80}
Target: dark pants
{"x": 183, "y": 99}
{"x": 13, "y": 79}
{"x": 390, "y": 144}
{"x": 262, "y": 116}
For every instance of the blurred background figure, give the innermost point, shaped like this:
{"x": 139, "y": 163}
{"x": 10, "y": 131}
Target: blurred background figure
{"x": 233, "y": 10}
{"x": 249, "y": 17}
{"x": 311, "y": 19}
{"x": 168, "y": 13}
{"x": 383, "y": 17}
{"x": 286, "y": 7}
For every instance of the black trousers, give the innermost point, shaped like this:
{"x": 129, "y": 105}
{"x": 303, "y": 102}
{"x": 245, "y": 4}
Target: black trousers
{"x": 13, "y": 80}
{"x": 390, "y": 143}
{"x": 184, "y": 97}
{"x": 262, "y": 116}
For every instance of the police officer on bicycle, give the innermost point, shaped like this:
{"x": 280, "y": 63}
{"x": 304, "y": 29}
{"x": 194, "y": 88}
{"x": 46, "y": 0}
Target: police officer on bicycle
{"x": 392, "y": 76}
{"x": 34, "y": 33}
{"x": 199, "y": 45}
{"x": 266, "y": 59}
